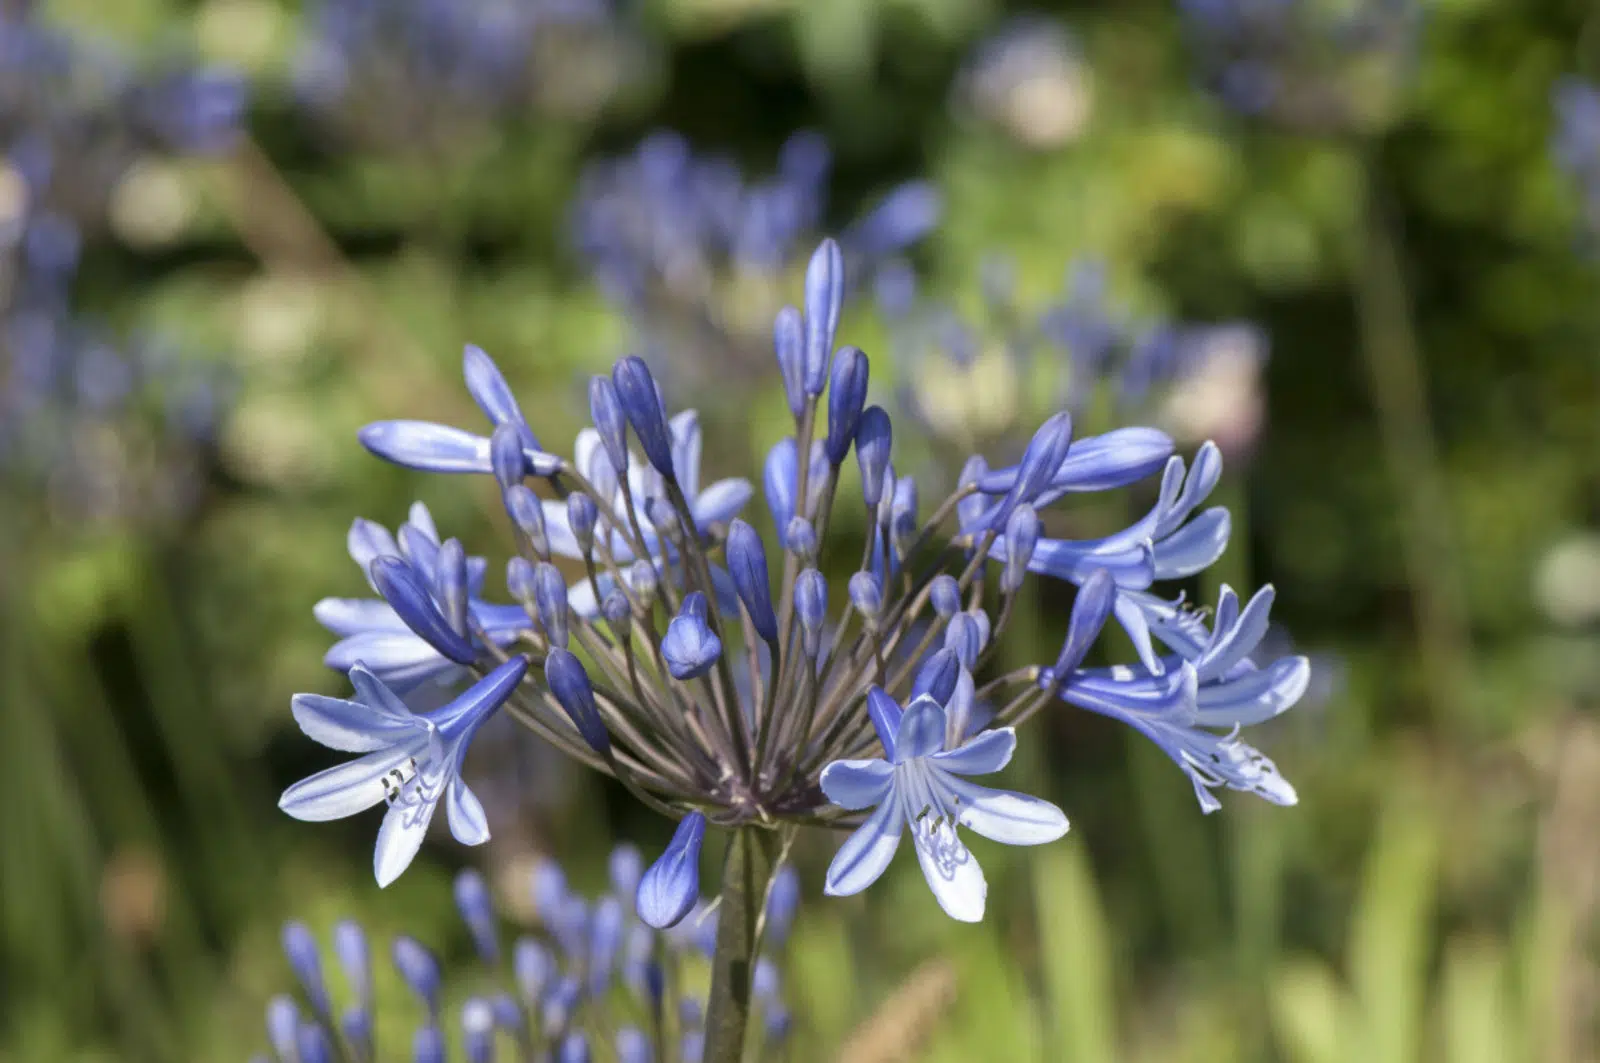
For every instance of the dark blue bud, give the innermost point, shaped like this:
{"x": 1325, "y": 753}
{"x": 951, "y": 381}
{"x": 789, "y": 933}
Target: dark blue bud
{"x": 570, "y": 684}
{"x": 633, "y": 1046}
{"x": 690, "y": 647}
{"x": 450, "y": 578}
{"x": 695, "y": 605}
{"x": 1090, "y": 609}
{"x": 312, "y": 1043}
{"x": 1022, "y": 536}
{"x": 964, "y": 639}
{"x": 788, "y": 342}
{"x": 945, "y": 594}
{"x": 866, "y": 594}
{"x": 581, "y": 516}
{"x": 874, "y": 439}
{"x": 350, "y": 946}
{"x": 477, "y": 1030}
{"x": 508, "y": 1014}
{"x": 937, "y": 677}
{"x": 533, "y": 967}
{"x": 609, "y": 420}
{"x": 846, "y": 395}
{"x": 523, "y": 507}
{"x": 671, "y": 886}
{"x": 301, "y": 949}
{"x": 283, "y": 1026}
{"x": 800, "y": 538}
{"x": 574, "y": 1049}
{"x": 493, "y": 396}
{"x": 811, "y": 606}
{"x": 428, "y": 1045}
{"x": 405, "y": 593}
{"x": 624, "y": 868}
{"x": 782, "y": 903}
{"x": 605, "y": 937}
{"x": 747, "y": 564}
{"x": 356, "y": 1025}
{"x": 1046, "y": 451}
{"x": 885, "y": 713}
{"x": 477, "y": 911}
{"x": 505, "y": 455}
{"x": 641, "y": 401}
{"x": 550, "y": 592}
{"x": 824, "y": 297}
{"x": 419, "y": 970}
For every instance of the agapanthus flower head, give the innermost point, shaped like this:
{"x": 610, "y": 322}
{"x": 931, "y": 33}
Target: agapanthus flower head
{"x": 697, "y": 255}
{"x": 745, "y": 702}
{"x": 1312, "y": 67}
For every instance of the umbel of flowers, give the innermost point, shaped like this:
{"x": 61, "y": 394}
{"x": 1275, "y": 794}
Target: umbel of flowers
{"x": 727, "y": 685}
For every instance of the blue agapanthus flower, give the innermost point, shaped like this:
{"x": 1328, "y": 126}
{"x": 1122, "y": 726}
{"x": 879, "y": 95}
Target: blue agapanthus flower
{"x": 714, "y": 671}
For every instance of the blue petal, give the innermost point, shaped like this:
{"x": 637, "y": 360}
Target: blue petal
{"x": 1194, "y": 547}
{"x": 491, "y": 392}
{"x": 1239, "y": 639}
{"x": 1114, "y": 459}
{"x": 427, "y": 446}
{"x": 348, "y": 788}
{"x": 1255, "y": 696}
{"x": 367, "y": 541}
{"x": 404, "y": 827}
{"x": 1197, "y": 487}
{"x": 351, "y": 616}
{"x": 685, "y": 427}
{"x": 984, "y": 755}
{"x": 1006, "y": 817}
{"x": 1132, "y": 565}
{"x": 1117, "y": 692}
{"x": 1130, "y": 613}
{"x": 952, "y": 872}
{"x": 689, "y": 647}
{"x": 402, "y": 659}
{"x": 857, "y": 784}
{"x": 468, "y": 824}
{"x": 671, "y": 886}
{"x": 867, "y": 852}
{"x": 921, "y": 732}
{"x": 779, "y": 479}
{"x": 350, "y": 726}
{"x": 721, "y": 502}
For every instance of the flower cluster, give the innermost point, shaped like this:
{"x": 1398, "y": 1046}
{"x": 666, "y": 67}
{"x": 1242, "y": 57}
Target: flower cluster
{"x": 593, "y": 983}
{"x": 696, "y": 254}
{"x": 1311, "y": 67}
{"x": 707, "y": 672}
{"x": 108, "y": 426}
{"x": 415, "y": 74}
{"x": 974, "y": 381}
{"x": 1577, "y": 143}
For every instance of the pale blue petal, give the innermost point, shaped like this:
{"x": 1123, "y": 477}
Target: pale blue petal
{"x": 857, "y": 783}
{"x": 1117, "y": 692}
{"x": 1194, "y": 547}
{"x": 867, "y": 852}
{"x": 685, "y": 428}
{"x": 351, "y": 787}
{"x": 388, "y": 654}
{"x": 721, "y": 502}
{"x": 404, "y": 827}
{"x": 1004, "y": 816}
{"x": 984, "y": 755}
{"x": 1132, "y": 565}
{"x": 377, "y": 694}
{"x": 351, "y": 616}
{"x": 419, "y": 517}
{"x": 368, "y": 540}
{"x": 427, "y": 446}
{"x": 503, "y": 623}
{"x": 921, "y": 732}
{"x": 562, "y": 542}
{"x": 952, "y": 873}
{"x": 1114, "y": 459}
{"x": 1197, "y": 487}
{"x": 465, "y": 813}
{"x": 1240, "y": 640}
{"x": 350, "y": 726}
{"x": 1131, "y": 615}
{"x": 1254, "y": 696}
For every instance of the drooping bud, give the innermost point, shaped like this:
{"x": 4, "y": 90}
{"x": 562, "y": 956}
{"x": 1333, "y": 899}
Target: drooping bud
{"x": 450, "y": 576}
{"x": 406, "y": 595}
{"x": 609, "y": 420}
{"x": 945, "y": 594}
{"x": 874, "y": 440}
{"x": 866, "y": 594}
{"x": 747, "y": 564}
{"x": 419, "y": 970}
{"x": 568, "y": 681}
{"x": 550, "y": 592}
{"x": 788, "y": 342}
{"x": 477, "y": 911}
{"x": 641, "y": 401}
{"x": 522, "y": 505}
{"x": 811, "y": 606}
{"x": 824, "y": 298}
{"x": 800, "y": 539}
{"x": 846, "y": 395}
{"x": 671, "y": 886}
{"x": 581, "y": 517}
{"x": 1022, "y": 536}
{"x": 690, "y": 647}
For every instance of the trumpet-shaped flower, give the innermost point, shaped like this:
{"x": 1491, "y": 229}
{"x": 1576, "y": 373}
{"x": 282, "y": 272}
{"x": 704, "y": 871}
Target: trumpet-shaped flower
{"x": 922, "y": 786}
{"x": 411, "y": 760}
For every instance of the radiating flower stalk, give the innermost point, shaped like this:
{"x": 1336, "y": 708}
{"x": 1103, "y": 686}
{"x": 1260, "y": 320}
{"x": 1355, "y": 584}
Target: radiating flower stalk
{"x": 709, "y": 675}
{"x": 593, "y": 982}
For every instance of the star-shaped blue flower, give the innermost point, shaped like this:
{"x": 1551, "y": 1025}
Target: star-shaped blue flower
{"x": 411, "y": 760}
{"x": 921, "y": 785}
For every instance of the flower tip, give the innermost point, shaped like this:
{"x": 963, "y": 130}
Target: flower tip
{"x": 670, "y": 887}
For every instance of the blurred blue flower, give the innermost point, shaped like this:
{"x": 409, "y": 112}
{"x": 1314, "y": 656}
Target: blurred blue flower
{"x": 1576, "y": 143}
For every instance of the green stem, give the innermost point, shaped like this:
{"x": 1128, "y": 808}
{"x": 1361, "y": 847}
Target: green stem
{"x": 746, "y": 871}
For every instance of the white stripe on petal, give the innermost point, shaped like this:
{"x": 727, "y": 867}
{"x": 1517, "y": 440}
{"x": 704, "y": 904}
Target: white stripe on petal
{"x": 857, "y": 783}
{"x": 1003, "y": 816}
{"x": 952, "y": 872}
{"x": 866, "y": 853}
{"x": 351, "y": 787}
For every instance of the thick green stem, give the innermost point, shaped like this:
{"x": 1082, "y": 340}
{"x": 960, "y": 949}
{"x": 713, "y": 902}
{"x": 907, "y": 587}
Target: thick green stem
{"x": 745, "y": 874}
